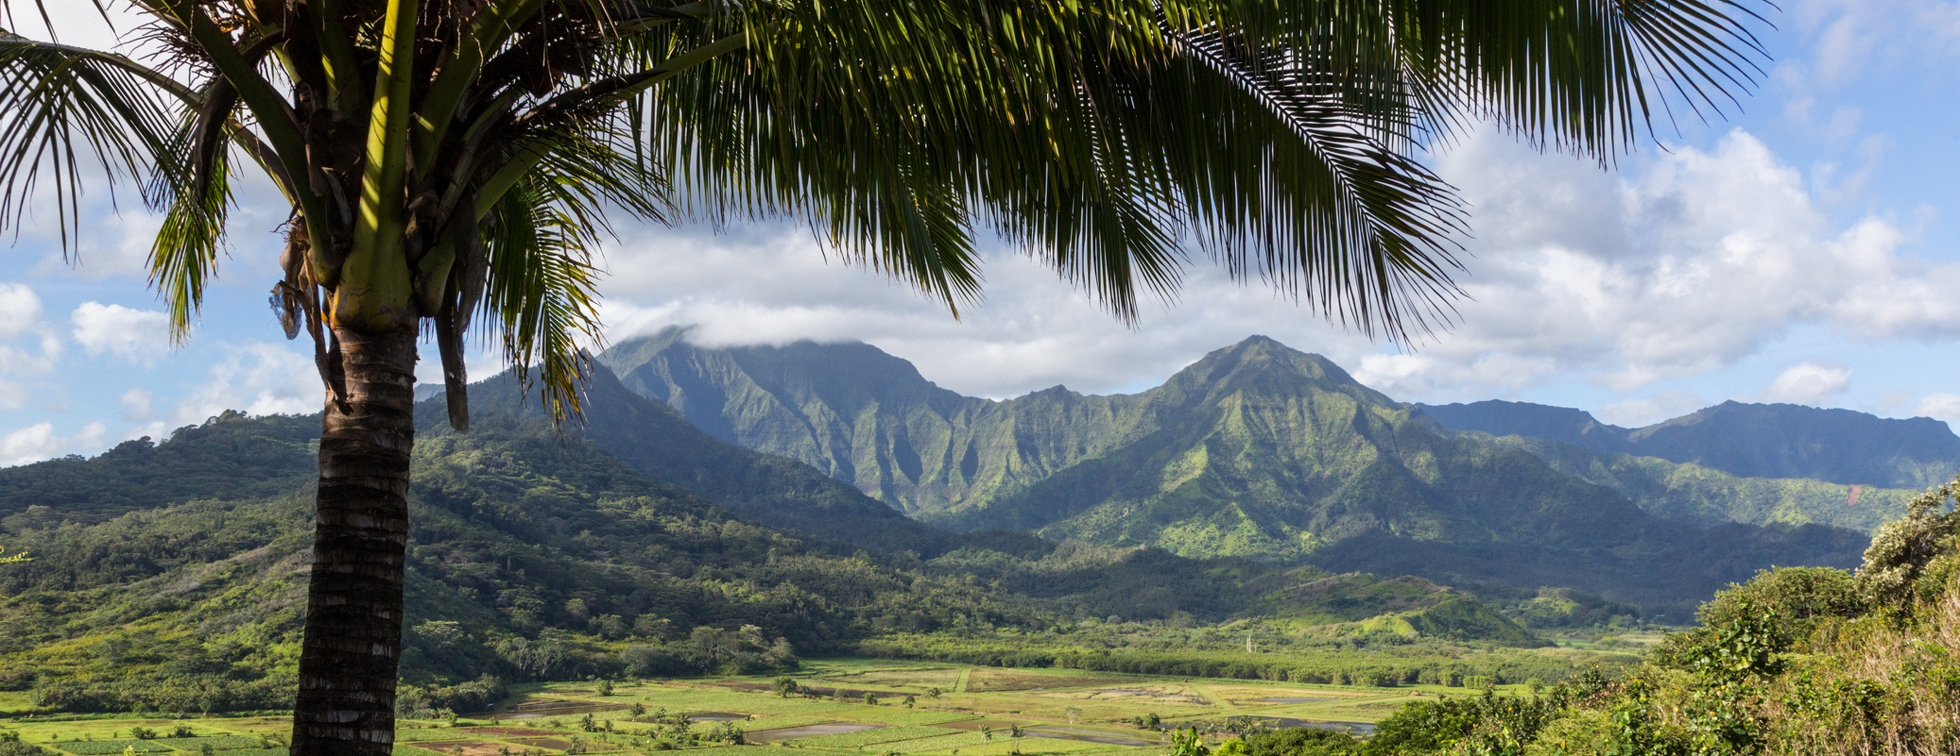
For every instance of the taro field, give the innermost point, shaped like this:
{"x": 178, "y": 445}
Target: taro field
{"x": 839, "y": 707}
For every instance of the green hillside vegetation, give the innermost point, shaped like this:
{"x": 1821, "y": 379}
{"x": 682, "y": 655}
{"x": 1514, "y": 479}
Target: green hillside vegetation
{"x": 534, "y": 558}
{"x": 539, "y": 557}
{"x": 1745, "y": 440}
{"x": 1797, "y": 662}
{"x": 869, "y": 419}
{"x": 1256, "y": 451}
{"x": 1706, "y": 496}
{"x": 763, "y": 488}
{"x": 223, "y": 461}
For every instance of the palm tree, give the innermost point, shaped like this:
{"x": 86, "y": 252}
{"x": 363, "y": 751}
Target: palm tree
{"x": 452, "y": 164}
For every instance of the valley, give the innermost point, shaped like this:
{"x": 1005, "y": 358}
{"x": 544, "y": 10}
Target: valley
{"x": 1260, "y": 527}
{"x": 912, "y": 708}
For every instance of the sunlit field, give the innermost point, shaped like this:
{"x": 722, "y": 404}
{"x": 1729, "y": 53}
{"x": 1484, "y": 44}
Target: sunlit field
{"x": 840, "y": 706}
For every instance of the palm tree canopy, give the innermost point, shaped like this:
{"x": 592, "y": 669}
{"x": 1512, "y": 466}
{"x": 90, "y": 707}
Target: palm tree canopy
{"x": 456, "y": 160}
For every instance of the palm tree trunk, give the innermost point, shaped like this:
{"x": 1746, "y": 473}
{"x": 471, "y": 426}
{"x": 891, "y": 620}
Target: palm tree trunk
{"x": 347, "y": 664}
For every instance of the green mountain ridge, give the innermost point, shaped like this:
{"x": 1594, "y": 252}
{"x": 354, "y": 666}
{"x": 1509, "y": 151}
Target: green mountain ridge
{"x": 869, "y": 419}
{"x": 1693, "y": 493}
{"x": 1773, "y": 441}
{"x": 1255, "y": 451}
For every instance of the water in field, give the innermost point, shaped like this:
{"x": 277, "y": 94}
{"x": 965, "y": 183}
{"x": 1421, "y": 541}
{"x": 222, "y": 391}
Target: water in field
{"x": 1087, "y": 736}
{"x": 560, "y": 707}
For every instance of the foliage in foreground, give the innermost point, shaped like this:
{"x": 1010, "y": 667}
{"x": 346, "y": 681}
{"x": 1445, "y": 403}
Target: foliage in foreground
{"x": 1798, "y": 662}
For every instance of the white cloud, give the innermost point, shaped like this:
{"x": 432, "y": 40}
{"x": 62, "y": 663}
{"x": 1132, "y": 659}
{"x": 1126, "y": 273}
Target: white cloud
{"x": 1684, "y": 264}
{"x": 1679, "y": 271}
{"x": 1940, "y": 406}
{"x": 259, "y": 378}
{"x": 1647, "y": 410}
{"x": 1808, "y": 383}
{"x": 771, "y": 284}
{"x": 38, "y": 442}
{"x": 13, "y": 396}
{"x": 20, "y": 311}
{"x": 134, "y": 335}
{"x": 136, "y": 406}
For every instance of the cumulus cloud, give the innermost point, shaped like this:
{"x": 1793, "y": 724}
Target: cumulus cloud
{"x": 136, "y": 406}
{"x": 1647, "y": 410}
{"x": 1682, "y": 265}
{"x": 1939, "y": 406}
{"x": 134, "y": 335}
{"x": 20, "y": 311}
{"x": 1683, "y": 269}
{"x": 772, "y": 284}
{"x": 1848, "y": 37}
{"x": 1808, "y": 383}
{"x": 259, "y": 378}
{"x": 38, "y": 442}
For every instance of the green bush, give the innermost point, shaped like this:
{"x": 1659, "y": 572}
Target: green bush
{"x": 1301, "y": 741}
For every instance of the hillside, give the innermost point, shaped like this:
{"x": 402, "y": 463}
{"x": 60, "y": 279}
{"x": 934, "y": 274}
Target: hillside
{"x": 1255, "y": 451}
{"x": 536, "y": 555}
{"x": 532, "y": 557}
{"x": 1745, "y": 440}
{"x": 766, "y": 489}
{"x": 869, "y": 419}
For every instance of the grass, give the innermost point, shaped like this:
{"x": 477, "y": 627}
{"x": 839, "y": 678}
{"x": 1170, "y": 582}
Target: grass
{"x": 1035, "y": 697}
{"x": 901, "y": 716}
{"x": 960, "y": 740}
{"x": 217, "y": 742}
{"x": 864, "y": 738}
{"x": 999, "y": 680}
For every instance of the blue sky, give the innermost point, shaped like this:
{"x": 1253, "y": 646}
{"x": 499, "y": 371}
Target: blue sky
{"x": 1803, "y": 249}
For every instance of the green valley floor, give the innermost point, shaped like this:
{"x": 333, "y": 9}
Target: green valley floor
{"x": 953, "y": 710}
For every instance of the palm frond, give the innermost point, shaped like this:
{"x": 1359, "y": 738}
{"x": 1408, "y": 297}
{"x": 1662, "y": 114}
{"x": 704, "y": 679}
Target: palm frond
{"x": 539, "y": 289}
{"x": 184, "y": 255}
{"x": 62, "y": 108}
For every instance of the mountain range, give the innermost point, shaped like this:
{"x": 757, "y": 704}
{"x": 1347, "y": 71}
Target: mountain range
{"x": 1256, "y": 451}
{"x": 870, "y": 419}
{"x": 1746, "y": 440}
{"x": 826, "y": 494}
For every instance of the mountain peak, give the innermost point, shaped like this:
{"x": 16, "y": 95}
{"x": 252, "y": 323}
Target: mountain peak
{"x": 1256, "y": 360}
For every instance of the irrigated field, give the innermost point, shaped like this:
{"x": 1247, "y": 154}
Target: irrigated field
{"x": 952, "y": 711}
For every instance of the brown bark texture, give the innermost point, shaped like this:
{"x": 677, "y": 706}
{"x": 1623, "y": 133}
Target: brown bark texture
{"x": 352, "y": 645}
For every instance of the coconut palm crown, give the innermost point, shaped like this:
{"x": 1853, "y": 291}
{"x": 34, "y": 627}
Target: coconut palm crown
{"x": 452, "y": 166}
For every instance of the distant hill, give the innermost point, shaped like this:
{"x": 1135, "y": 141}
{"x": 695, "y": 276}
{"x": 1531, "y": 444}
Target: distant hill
{"x": 1689, "y": 492}
{"x": 1745, "y": 440}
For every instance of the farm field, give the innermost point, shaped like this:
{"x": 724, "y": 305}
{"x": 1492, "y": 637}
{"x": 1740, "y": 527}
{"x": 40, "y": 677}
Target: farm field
{"x": 953, "y": 710}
